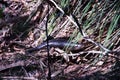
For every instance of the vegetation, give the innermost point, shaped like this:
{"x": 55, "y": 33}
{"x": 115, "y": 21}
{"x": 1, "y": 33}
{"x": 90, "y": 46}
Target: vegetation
{"x": 92, "y": 23}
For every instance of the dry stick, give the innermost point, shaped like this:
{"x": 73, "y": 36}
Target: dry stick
{"x": 19, "y": 63}
{"x": 17, "y": 78}
{"x": 76, "y": 23}
{"x": 48, "y": 54}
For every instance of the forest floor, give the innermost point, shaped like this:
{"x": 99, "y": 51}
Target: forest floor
{"x": 94, "y": 24}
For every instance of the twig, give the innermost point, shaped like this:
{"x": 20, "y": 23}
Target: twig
{"x": 4, "y": 67}
{"x": 18, "y": 78}
{"x": 21, "y": 63}
{"x": 82, "y": 52}
{"x": 93, "y": 52}
{"x": 48, "y": 54}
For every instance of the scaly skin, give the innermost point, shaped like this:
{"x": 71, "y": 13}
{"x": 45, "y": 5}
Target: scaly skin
{"x": 59, "y": 43}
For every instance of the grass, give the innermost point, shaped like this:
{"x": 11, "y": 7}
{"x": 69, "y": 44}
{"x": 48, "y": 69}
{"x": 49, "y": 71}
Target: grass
{"x": 93, "y": 23}
{"x": 99, "y": 18}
